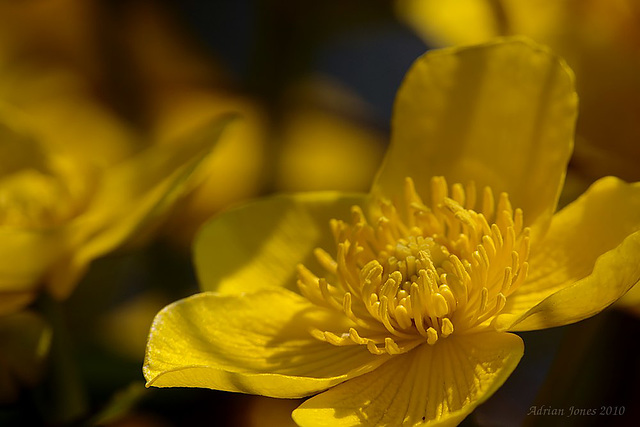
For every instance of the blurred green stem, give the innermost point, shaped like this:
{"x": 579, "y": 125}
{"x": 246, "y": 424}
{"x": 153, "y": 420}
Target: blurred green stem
{"x": 62, "y": 396}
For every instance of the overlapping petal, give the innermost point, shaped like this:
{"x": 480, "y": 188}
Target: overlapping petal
{"x": 431, "y": 385}
{"x": 256, "y": 343}
{"x": 258, "y": 245}
{"x": 601, "y": 228}
{"x": 501, "y": 114}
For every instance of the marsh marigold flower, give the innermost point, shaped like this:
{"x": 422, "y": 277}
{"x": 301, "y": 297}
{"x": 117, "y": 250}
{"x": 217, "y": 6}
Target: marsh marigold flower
{"x": 60, "y": 208}
{"x": 397, "y": 306}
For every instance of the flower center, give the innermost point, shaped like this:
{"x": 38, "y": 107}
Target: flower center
{"x": 421, "y": 272}
{"x": 41, "y": 198}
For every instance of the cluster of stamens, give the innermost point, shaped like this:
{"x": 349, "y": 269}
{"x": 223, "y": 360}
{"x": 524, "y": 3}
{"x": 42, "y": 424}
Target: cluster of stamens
{"x": 420, "y": 272}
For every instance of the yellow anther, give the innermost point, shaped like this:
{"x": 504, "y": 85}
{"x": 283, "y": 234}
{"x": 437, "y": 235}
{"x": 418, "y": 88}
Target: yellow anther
{"x": 325, "y": 260}
{"x": 355, "y": 337}
{"x": 373, "y": 349}
{"x": 402, "y": 317}
{"x": 432, "y": 336}
{"x": 457, "y": 193}
{"x": 391, "y": 347}
{"x": 440, "y": 306}
{"x": 447, "y": 327}
{"x": 438, "y": 190}
{"x": 488, "y": 203}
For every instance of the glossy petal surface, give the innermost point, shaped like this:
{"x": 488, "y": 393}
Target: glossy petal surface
{"x": 601, "y": 228}
{"x": 258, "y": 245}
{"x": 431, "y": 385}
{"x": 501, "y": 114}
{"x": 254, "y": 343}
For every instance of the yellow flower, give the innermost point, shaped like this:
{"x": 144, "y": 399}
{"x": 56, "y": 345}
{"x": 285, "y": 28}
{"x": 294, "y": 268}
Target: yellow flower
{"x": 406, "y": 296}
{"x": 324, "y": 142}
{"x": 60, "y": 208}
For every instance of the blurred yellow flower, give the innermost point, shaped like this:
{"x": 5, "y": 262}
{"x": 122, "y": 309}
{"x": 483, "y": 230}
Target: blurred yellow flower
{"x": 178, "y": 89}
{"x": 234, "y": 170}
{"x": 61, "y": 208}
{"x": 325, "y": 143}
{"x": 406, "y": 294}
{"x": 142, "y": 64}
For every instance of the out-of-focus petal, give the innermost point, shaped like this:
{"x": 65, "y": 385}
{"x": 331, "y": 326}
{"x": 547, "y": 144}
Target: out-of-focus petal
{"x": 232, "y": 172}
{"x": 327, "y": 140}
{"x": 132, "y": 197}
{"x": 26, "y": 257}
{"x": 476, "y": 21}
{"x": 451, "y": 22}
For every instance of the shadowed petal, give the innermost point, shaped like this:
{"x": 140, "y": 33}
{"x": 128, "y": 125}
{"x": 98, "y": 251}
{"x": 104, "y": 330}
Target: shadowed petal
{"x": 431, "y": 385}
{"x": 601, "y": 228}
{"x": 258, "y": 245}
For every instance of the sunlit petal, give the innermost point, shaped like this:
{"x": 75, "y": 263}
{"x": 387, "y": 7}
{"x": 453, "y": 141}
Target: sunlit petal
{"x": 501, "y": 114}
{"x": 255, "y": 343}
{"x": 600, "y": 227}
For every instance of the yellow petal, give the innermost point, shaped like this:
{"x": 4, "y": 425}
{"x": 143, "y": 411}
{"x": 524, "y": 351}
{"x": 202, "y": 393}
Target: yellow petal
{"x": 132, "y": 198}
{"x": 501, "y": 114}
{"x": 237, "y": 160}
{"x": 431, "y": 385}
{"x": 600, "y": 228}
{"x": 62, "y": 113}
{"x": 451, "y": 22}
{"x": 258, "y": 245}
{"x": 476, "y": 21}
{"x": 325, "y": 143}
{"x": 26, "y": 256}
{"x": 255, "y": 343}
